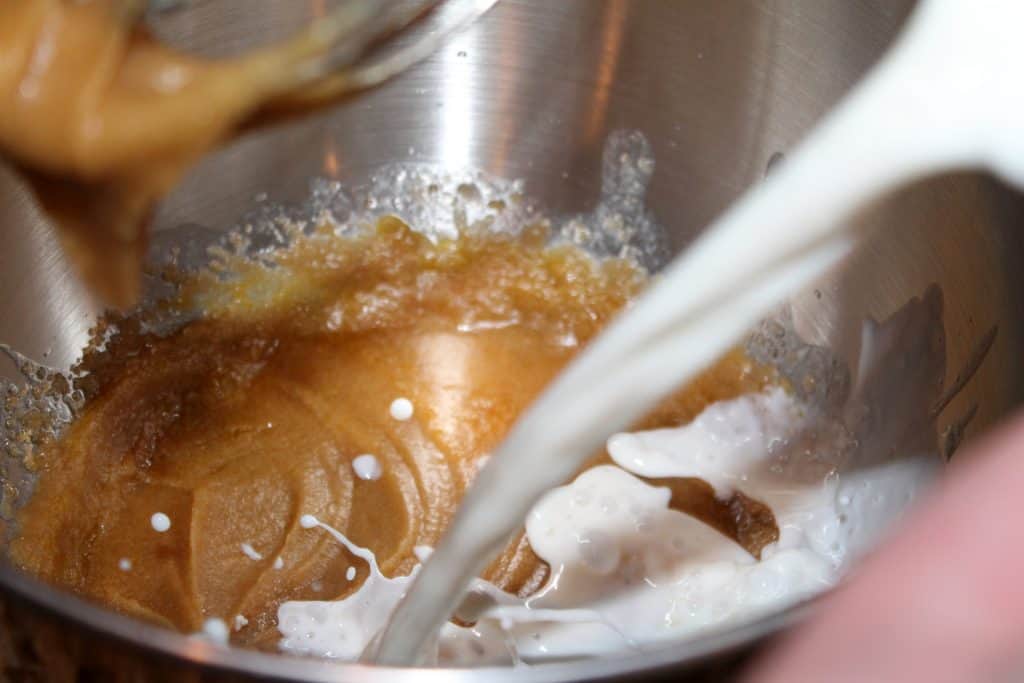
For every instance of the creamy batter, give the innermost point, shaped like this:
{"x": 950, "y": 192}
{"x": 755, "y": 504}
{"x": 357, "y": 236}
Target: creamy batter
{"x": 361, "y": 380}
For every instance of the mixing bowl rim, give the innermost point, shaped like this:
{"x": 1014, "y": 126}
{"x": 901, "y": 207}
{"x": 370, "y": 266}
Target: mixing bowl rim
{"x": 203, "y": 653}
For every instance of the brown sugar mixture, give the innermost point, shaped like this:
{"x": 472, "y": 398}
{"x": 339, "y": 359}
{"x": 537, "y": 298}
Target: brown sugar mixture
{"x": 102, "y": 119}
{"x": 251, "y": 416}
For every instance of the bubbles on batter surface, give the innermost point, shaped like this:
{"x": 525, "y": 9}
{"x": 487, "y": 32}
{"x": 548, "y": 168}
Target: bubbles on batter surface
{"x": 35, "y": 407}
{"x": 439, "y": 204}
{"x": 620, "y": 225}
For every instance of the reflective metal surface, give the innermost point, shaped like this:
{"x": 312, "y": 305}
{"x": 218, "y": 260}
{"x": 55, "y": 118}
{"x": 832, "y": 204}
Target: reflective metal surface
{"x": 532, "y": 91}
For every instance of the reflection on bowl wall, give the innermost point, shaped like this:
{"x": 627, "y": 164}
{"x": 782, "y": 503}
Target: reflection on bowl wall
{"x": 532, "y": 92}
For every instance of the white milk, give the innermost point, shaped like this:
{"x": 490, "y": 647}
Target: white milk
{"x": 628, "y": 572}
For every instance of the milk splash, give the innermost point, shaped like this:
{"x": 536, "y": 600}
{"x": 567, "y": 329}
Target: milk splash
{"x": 342, "y": 629}
{"x": 628, "y": 573}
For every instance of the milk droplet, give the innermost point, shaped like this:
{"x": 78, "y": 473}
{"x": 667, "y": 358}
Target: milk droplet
{"x": 240, "y": 622}
{"x": 350, "y": 573}
{"x": 216, "y": 630}
{"x": 251, "y": 552}
{"x": 278, "y": 563}
{"x": 308, "y": 521}
{"x": 401, "y": 409}
{"x": 367, "y": 467}
{"x": 160, "y": 522}
{"x": 124, "y": 564}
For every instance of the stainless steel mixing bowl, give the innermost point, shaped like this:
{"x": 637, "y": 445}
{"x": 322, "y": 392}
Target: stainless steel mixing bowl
{"x": 532, "y": 91}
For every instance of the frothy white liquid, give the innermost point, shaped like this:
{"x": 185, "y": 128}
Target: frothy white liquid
{"x": 628, "y": 572}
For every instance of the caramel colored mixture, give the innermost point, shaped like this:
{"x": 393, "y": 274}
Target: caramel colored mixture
{"x": 244, "y": 420}
{"x": 102, "y": 119}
